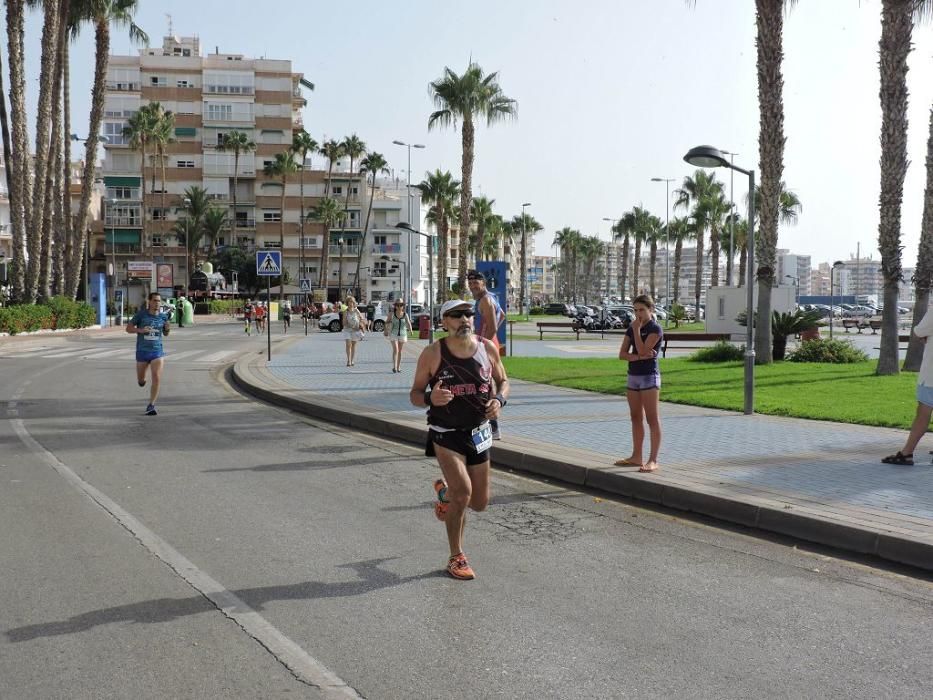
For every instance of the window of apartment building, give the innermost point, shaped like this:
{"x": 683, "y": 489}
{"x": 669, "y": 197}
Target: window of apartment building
{"x": 123, "y": 193}
{"x": 336, "y": 189}
{"x": 186, "y": 107}
{"x": 121, "y": 106}
{"x": 113, "y": 132}
{"x": 379, "y": 268}
{"x": 219, "y": 112}
{"x": 353, "y": 219}
{"x": 275, "y": 136}
{"x": 120, "y": 215}
{"x": 159, "y": 214}
{"x": 271, "y": 215}
{"x": 184, "y": 83}
{"x": 222, "y": 164}
{"x": 229, "y": 82}
{"x": 158, "y": 81}
{"x": 123, "y": 78}
{"x": 380, "y": 240}
{"x": 310, "y": 271}
{"x": 184, "y": 164}
{"x": 157, "y": 240}
{"x": 221, "y": 241}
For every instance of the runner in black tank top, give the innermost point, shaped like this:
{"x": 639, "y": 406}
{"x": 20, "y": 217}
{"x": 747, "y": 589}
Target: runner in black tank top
{"x": 457, "y": 379}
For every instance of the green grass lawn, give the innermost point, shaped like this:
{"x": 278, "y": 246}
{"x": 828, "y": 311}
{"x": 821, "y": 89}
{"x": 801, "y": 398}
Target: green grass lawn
{"x": 843, "y": 393}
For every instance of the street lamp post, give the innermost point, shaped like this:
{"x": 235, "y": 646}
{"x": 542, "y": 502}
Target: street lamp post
{"x": 405, "y": 226}
{"x": 340, "y": 269}
{"x": 524, "y": 288}
{"x": 709, "y": 157}
{"x": 409, "y": 146}
{"x": 667, "y": 232}
{"x": 832, "y": 289}
{"x": 111, "y": 203}
{"x": 796, "y": 287}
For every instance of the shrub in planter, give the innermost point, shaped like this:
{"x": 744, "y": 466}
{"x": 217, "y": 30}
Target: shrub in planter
{"x": 70, "y": 314}
{"x": 783, "y": 325}
{"x": 825, "y": 350}
{"x": 677, "y": 314}
{"x": 225, "y": 306}
{"x": 25, "y": 318}
{"x": 536, "y": 311}
{"x": 720, "y": 352}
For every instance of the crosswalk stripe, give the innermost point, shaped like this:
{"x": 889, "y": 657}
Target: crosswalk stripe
{"x": 60, "y": 353}
{"x": 105, "y": 353}
{"x": 178, "y": 355}
{"x": 27, "y": 353}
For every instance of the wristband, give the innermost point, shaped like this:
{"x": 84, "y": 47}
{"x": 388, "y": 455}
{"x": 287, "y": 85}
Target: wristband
{"x": 427, "y": 398}
{"x": 501, "y": 399}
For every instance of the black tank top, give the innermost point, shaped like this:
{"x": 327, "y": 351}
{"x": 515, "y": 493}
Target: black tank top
{"x": 470, "y": 380}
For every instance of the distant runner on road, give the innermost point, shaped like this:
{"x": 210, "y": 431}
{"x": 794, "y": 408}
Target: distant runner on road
{"x": 460, "y": 371}
{"x": 489, "y": 316}
{"x": 150, "y": 326}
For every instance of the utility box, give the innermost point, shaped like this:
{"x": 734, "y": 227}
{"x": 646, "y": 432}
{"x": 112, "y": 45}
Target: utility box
{"x": 724, "y": 304}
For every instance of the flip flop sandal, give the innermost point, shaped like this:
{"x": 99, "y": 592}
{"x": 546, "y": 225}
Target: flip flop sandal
{"x": 898, "y": 458}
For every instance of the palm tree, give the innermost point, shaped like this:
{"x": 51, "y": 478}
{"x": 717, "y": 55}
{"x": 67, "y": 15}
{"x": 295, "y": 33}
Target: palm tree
{"x": 524, "y": 225}
{"x": 283, "y": 166}
{"x": 196, "y": 206}
{"x": 302, "y": 144}
{"x": 466, "y": 97}
{"x": 353, "y": 148}
{"x": 492, "y": 239}
{"x": 622, "y": 229}
{"x": 569, "y": 240}
{"x": 374, "y": 164}
{"x": 21, "y": 190}
{"x": 439, "y": 189}
{"x": 102, "y": 13}
{"x": 481, "y": 215}
{"x": 590, "y": 250}
{"x": 923, "y": 275}
{"x": 680, "y": 229}
{"x": 717, "y": 209}
{"x": 215, "y": 220}
{"x": 701, "y": 191}
{"x": 327, "y": 212}
{"x": 163, "y": 134}
{"x": 740, "y": 239}
{"x": 897, "y": 23}
{"x": 238, "y": 142}
{"x": 139, "y": 132}
{"x": 332, "y": 150}
{"x": 653, "y": 234}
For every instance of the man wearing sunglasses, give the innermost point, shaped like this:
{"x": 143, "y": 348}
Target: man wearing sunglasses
{"x": 489, "y": 316}
{"x": 455, "y": 380}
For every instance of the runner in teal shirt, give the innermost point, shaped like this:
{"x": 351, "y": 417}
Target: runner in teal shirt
{"x": 150, "y": 326}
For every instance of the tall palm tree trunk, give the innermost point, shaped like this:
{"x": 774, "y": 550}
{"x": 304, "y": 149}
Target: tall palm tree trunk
{"x": 652, "y": 268}
{"x": 923, "y": 277}
{"x": 623, "y": 271}
{"x": 698, "y": 282}
{"x": 34, "y": 233}
{"x": 770, "y": 21}
{"x": 743, "y": 263}
{"x": 678, "y": 256}
{"x": 714, "y": 255}
{"x": 68, "y": 232}
{"x": 282, "y": 241}
{"x": 21, "y": 191}
{"x": 51, "y": 207}
{"x": 444, "y": 255}
{"x": 636, "y": 267}
{"x": 236, "y": 169}
{"x": 896, "y": 30}
{"x": 359, "y": 257}
{"x": 325, "y": 246}
{"x": 466, "y": 197}
{"x": 101, "y": 52}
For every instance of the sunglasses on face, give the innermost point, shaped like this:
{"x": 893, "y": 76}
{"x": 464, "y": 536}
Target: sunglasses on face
{"x": 459, "y": 314}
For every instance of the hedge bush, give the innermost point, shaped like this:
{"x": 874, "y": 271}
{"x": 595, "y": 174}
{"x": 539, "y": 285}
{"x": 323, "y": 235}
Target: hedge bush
{"x": 840, "y": 352}
{"x": 225, "y": 306}
{"x": 536, "y": 311}
{"x": 56, "y": 313}
{"x": 720, "y": 352}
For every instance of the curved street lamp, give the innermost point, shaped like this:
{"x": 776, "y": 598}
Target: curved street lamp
{"x": 711, "y": 157}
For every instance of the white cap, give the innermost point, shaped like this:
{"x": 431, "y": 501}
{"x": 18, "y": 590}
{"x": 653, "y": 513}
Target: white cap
{"x": 455, "y": 304}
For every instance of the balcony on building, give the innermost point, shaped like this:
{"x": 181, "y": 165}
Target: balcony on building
{"x": 348, "y": 250}
{"x": 386, "y": 248}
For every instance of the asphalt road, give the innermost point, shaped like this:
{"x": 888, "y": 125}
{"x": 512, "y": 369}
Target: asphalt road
{"x": 227, "y": 549}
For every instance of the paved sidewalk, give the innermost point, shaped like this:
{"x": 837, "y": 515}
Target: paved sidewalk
{"x": 815, "y": 480}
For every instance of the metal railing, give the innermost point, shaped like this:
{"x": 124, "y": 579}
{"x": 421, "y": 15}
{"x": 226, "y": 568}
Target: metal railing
{"x": 347, "y": 250}
{"x": 386, "y": 248}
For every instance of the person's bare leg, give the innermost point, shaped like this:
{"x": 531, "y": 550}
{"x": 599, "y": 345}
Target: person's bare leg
{"x": 141, "y": 373}
{"x": 918, "y": 428}
{"x": 638, "y": 429}
{"x": 155, "y": 374}
{"x": 649, "y": 402}
{"x": 398, "y": 356}
{"x": 459, "y": 494}
{"x": 347, "y": 345}
{"x": 352, "y": 352}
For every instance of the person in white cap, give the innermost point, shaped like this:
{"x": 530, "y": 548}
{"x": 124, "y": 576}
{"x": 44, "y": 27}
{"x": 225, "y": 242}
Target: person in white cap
{"x": 456, "y": 379}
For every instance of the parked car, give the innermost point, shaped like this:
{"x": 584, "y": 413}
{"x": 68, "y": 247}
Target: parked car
{"x": 556, "y": 309}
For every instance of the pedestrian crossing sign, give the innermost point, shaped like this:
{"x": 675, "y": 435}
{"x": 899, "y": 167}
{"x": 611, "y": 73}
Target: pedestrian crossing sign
{"x": 268, "y": 263}
{"x": 305, "y": 284}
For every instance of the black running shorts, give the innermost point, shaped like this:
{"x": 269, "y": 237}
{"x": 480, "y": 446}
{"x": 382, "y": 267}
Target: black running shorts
{"x": 459, "y": 441}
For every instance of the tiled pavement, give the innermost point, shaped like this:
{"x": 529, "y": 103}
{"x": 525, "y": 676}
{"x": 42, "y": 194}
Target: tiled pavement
{"x": 812, "y": 479}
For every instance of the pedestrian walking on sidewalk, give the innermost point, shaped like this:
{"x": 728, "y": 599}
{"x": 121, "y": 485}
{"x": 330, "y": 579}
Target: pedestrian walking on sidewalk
{"x": 397, "y": 328}
{"x": 489, "y": 316}
{"x": 150, "y": 326}
{"x": 454, "y": 380}
{"x": 286, "y": 316}
{"x": 640, "y": 349}
{"x": 354, "y": 327}
{"x": 248, "y": 317}
{"x": 905, "y": 455}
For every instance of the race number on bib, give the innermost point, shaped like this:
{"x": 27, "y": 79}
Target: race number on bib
{"x": 482, "y": 438}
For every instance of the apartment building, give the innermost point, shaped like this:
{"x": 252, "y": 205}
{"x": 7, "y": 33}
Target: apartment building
{"x": 210, "y": 96}
{"x": 6, "y": 233}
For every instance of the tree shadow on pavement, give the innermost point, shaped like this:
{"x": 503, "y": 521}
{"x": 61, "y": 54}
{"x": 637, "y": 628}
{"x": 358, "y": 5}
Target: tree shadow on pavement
{"x": 370, "y": 578}
{"x": 311, "y": 466}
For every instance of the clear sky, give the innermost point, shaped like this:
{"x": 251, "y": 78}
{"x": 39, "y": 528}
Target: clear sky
{"x": 610, "y": 94}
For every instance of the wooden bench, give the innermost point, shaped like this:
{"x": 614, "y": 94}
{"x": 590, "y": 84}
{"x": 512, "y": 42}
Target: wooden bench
{"x": 857, "y": 323}
{"x": 690, "y": 338}
{"x": 557, "y": 327}
{"x": 875, "y": 326}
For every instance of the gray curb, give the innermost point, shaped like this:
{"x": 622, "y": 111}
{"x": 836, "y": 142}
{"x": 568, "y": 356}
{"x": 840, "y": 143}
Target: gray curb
{"x": 571, "y": 467}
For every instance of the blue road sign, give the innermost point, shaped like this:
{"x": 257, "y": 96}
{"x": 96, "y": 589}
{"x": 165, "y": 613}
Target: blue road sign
{"x": 268, "y": 263}
{"x": 305, "y": 284}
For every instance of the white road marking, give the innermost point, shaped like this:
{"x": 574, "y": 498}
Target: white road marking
{"x": 300, "y": 663}
{"x": 217, "y": 356}
{"x": 172, "y": 356}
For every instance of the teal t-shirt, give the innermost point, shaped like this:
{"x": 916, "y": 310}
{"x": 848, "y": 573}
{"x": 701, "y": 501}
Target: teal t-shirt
{"x": 150, "y": 342}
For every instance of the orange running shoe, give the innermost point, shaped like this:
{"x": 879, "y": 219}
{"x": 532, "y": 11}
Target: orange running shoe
{"x": 440, "y": 508}
{"x": 459, "y": 568}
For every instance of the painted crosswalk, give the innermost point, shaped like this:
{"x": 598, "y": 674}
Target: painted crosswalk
{"x": 207, "y": 356}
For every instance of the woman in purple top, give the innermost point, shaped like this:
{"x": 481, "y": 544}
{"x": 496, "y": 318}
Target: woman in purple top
{"x": 640, "y": 350}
